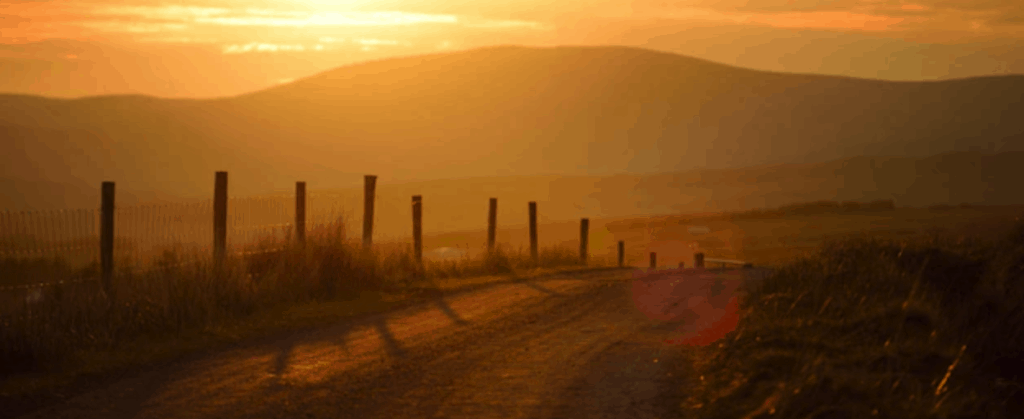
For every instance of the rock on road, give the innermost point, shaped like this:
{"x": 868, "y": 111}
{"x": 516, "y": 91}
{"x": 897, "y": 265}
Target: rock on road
{"x": 580, "y": 345}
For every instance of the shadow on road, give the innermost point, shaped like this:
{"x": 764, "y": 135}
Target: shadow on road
{"x": 390, "y": 343}
{"x": 447, "y": 310}
{"x": 262, "y": 363}
{"x": 543, "y": 289}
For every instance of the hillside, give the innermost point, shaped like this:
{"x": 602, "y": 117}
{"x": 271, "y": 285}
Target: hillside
{"x": 581, "y": 111}
{"x": 462, "y": 204}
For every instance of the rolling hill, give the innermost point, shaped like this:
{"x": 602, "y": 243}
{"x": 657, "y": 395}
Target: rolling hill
{"x": 975, "y": 178}
{"x": 597, "y": 112}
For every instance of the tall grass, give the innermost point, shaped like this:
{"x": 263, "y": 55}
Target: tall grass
{"x": 877, "y": 328}
{"x": 186, "y": 291}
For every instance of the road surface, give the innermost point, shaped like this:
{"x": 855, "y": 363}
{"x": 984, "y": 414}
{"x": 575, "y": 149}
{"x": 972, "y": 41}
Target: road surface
{"x": 593, "y": 345}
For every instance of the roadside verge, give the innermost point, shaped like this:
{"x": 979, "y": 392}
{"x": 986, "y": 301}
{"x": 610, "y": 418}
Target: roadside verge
{"x": 26, "y": 392}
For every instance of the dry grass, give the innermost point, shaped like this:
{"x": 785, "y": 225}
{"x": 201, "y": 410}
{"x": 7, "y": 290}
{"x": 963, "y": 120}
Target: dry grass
{"x": 776, "y": 237}
{"x": 868, "y": 327}
{"x": 180, "y": 307}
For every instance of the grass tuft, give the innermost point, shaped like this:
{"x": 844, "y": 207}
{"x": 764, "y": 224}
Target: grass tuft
{"x": 865, "y": 327}
{"x": 184, "y": 294}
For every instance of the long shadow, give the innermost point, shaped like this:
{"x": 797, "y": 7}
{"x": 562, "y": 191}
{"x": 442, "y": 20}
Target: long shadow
{"x": 437, "y": 294}
{"x": 285, "y": 347}
{"x": 542, "y": 289}
{"x": 440, "y": 368}
{"x": 447, "y": 310}
{"x": 390, "y": 343}
{"x": 280, "y": 363}
{"x": 434, "y": 290}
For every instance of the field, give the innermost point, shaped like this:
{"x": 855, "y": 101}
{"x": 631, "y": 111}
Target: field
{"x": 68, "y": 331}
{"x": 173, "y": 311}
{"x": 765, "y": 240}
{"x": 897, "y": 325}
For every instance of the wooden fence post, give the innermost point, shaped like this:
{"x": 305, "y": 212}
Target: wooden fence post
{"x": 107, "y": 234}
{"x": 533, "y": 231}
{"x": 417, "y": 227}
{"x": 622, "y": 253}
{"x": 300, "y": 213}
{"x": 492, "y": 224}
{"x": 584, "y": 232}
{"x": 654, "y": 260}
{"x": 220, "y": 217}
{"x": 369, "y": 193}
{"x": 698, "y": 260}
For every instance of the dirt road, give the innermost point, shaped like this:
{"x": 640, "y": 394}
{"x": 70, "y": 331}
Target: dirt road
{"x": 587, "y": 345}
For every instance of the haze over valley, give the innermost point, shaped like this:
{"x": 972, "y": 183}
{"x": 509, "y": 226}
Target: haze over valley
{"x": 411, "y": 209}
{"x": 610, "y": 131}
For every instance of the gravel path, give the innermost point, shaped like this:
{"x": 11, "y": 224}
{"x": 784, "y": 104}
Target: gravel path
{"x": 582, "y": 346}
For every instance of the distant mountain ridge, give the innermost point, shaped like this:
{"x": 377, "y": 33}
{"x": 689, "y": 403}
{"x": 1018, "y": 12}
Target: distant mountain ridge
{"x": 500, "y": 111}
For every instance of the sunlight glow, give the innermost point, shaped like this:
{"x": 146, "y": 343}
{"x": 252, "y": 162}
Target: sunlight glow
{"x": 367, "y": 44}
{"x": 508, "y": 24}
{"x": 331, "y": 19}
{"x": 377, "y": 42}
{"x": 261, "y": 47}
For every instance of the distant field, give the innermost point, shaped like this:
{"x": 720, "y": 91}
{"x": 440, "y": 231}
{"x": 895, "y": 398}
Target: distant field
{"x": 764, "y": 239}
{"x": 776, "y": 240}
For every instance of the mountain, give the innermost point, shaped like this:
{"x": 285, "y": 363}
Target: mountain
{"x": 500, "y": 111}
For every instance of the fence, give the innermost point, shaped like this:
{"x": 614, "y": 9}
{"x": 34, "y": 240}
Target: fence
{"x": 144, "y": 231}
{"x": 139, "y": 235}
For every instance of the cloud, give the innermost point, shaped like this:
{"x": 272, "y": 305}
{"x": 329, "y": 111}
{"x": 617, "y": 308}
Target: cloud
{"x": 859, "y": 6}
{"x": 775, "y": 6}
{"x": 327, "y": 19}
{"x": 378, "y": 42}
{"x": 262, "y": 47}
{"x": 177, "y": 40}
{"x": 160, "y": 12}
{"x": 75, "y": 20}
{"x": 508, "y": 24}
{"x": 309, "y": 20}
{"x": 935, "y": 17}
{"x": 828, "y": 20}
{"x": 365, "y": 44}
{"x": 134, "y": 27}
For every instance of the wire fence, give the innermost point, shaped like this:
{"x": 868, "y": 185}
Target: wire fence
{"x": 143, "y": 233}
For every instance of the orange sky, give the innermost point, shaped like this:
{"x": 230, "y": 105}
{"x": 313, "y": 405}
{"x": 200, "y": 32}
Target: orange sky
{"x": 68, "y": 48}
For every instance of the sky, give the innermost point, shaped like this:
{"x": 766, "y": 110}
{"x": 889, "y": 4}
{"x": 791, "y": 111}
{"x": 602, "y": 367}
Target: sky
{"x": 213, "y": 48}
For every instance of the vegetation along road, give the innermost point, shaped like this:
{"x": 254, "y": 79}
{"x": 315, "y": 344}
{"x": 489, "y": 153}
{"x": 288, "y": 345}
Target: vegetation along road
{"x": 594, "y": 344}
